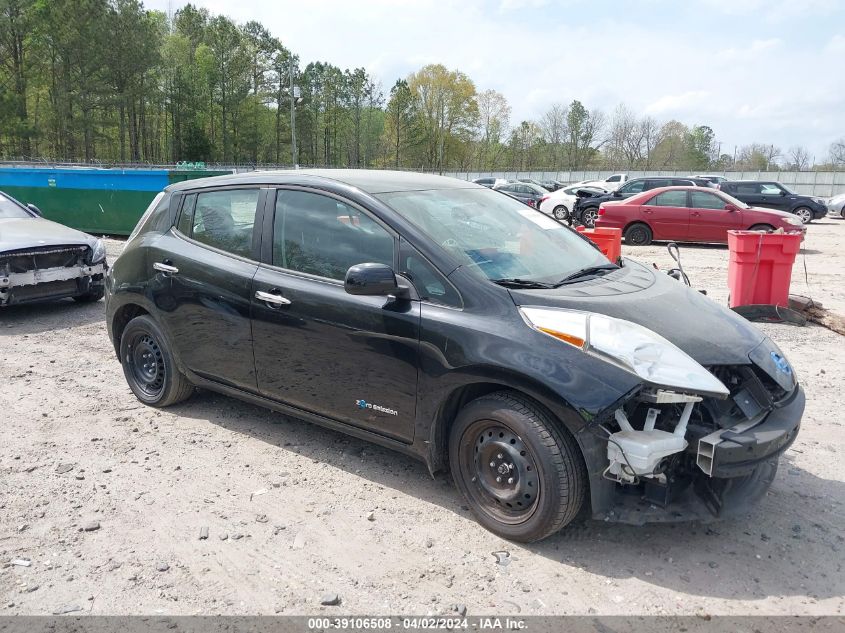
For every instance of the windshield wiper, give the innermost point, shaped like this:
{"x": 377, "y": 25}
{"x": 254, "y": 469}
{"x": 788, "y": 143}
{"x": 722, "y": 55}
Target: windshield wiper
{"x": 590, "y": 271}
{"x": 514, "y": 282}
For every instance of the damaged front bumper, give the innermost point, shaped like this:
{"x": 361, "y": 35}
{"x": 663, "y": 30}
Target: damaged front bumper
{"x": 721, "y": 474}
{"x": 50, "y": 283}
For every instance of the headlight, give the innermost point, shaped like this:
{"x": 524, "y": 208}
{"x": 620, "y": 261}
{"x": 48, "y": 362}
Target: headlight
{"x": 627, "y": 345}
{"x": 99, "y": 252}
{"x": 794, "y": 221}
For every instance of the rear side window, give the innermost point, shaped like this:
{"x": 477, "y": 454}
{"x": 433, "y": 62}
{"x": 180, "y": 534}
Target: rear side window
{"x": 670, "y": 199}
{"x": 659, "y": 182}
{"x": 221, "y": 219}
{"x": 322, "y": 236}
{"x": 613, "y": 179}
{"x": 635, "y": 186}
{"x": 749, "y": 188}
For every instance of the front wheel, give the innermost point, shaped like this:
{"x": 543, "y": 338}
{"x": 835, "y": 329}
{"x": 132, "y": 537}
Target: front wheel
{"x": 805, "y": 214}
{"x": 92, "y": 296}
{"x": 148, "y": 365}
{"x": 589, "y": 217}
{"x": 762, "y": 227}
{"x": 560, "y": 212}
{"x": 523, "y": 477}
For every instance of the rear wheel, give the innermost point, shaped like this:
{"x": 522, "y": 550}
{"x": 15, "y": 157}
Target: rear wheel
{"x": 560, "y": 212}
{"x": 805, "y": 213}
{"x": 638, "y": 235}
{"x": 762, "y": 227}
{"x": 522, "y": 476}
{"x": 148, "y": 365}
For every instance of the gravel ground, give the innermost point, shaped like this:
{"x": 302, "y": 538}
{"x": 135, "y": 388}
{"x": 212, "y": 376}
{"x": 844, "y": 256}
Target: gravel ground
{"x": 108, "y": 500}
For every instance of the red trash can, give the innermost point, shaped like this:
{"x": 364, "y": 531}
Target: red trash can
{"x": 760, "y": 267}
{"x": 608, "y": 240}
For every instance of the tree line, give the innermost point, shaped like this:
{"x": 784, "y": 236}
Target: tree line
{"x": 108, "y": 81}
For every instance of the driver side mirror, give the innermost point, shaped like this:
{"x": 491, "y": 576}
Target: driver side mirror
{"x": 34, "y": 209}
{"x": 783, "y": 193}
{"x": 729, "y": 207}
{"x": 370, "y": 280}
{"x": 616, "y": 194}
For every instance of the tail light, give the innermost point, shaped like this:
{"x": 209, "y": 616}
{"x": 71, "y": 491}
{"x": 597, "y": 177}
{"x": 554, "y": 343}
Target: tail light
{"x": 543, "y": 199}
{"x": 601, "y": 210}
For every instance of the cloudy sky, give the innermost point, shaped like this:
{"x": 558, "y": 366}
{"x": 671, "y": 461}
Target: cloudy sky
{"x": 770, "y": 71}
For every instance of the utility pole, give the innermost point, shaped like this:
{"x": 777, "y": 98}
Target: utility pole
{"x": 292, "y": 118}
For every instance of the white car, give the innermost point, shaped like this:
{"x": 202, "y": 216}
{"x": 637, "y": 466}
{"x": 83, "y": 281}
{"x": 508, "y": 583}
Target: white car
{"x": 559, "y": 203}
{"x": 611, "y": 183}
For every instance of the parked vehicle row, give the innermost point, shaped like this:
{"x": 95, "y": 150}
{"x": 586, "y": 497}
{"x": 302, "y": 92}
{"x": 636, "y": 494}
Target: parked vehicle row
{"x": 689, "y": 214}
{"x": 586, "y": 208}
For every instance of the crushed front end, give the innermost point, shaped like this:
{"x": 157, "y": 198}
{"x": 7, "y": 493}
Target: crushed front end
{"x": 50, "y": 272}
{"x": 674, "y": 456}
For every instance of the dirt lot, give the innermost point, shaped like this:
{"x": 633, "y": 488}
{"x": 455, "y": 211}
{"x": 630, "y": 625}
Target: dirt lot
{"x": 107, "y": 498}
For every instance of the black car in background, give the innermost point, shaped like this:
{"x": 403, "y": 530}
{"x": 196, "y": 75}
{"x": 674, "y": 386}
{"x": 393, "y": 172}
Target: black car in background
{"x": 586, "y": 209}
{"x": 526, "y": 192}
{"x": 444, "y": 320}
{"x": 552, "y": 185}
{"x": 531, "y": 181}
{"x": 774, "y": 195}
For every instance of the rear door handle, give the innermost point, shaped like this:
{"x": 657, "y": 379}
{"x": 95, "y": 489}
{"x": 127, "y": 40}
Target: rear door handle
{"x": 272, "y": 298}
{"x": 167, "y": 269}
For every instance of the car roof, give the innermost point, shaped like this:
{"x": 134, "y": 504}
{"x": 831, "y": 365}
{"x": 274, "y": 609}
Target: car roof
{"x": 368, "y": 180}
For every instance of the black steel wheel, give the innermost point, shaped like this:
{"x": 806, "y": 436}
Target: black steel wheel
{"x": 638, "y": 235}
{"x": 148, "y": 365}
{"x": 520, "y": 472}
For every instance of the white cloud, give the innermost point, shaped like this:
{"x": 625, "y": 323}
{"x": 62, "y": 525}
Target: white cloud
{"x": 836, "y": 44}
{"x": 757, "y": 48}
{"x": 670, "y": 104}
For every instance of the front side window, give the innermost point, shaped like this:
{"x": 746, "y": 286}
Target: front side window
{"x": 701, "y": 200}
{"x": 319, "y": 235}
{"x": 224, "y": 220}
{"x": 495, "y": 235}
{"x": 770, "y": 189}
{"x": 11, "y": 209}
{"x": 670, "y": 199}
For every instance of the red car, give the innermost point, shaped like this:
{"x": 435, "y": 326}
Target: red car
{"x": 688, "y": 214}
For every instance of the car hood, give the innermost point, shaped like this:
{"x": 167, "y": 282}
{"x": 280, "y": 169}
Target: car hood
{"x": 780, "y": 214}
{"x": 16, "y": 233}
{"x": 707, "y": 331}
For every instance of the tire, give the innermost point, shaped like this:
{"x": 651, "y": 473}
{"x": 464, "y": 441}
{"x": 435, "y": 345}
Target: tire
{"x": 588, "y": 216}
{"x": 542, "y": 480}
{"x": 805, "y": 213}
{"x": 638, "y": 234}
{"x": 91, "y": 296}
{"x": 148, "y": 365}
{"x": 762, "y": 227}
{"x": 560, "y": 212}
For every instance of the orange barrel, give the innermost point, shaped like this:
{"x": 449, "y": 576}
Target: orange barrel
{"x": 607, "y": 239}
{"x": 760, "y": 267}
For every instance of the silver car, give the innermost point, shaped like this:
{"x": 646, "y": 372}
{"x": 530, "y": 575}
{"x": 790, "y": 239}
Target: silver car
{"x": 42, "y": 260}
{"x": 836, "y": 206}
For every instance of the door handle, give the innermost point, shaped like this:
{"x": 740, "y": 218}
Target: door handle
{"x": 695, "y": 214}
{"x": 272, "y": 298}
{"x": 167, "y": 269}
{"x": 647, "y": 210}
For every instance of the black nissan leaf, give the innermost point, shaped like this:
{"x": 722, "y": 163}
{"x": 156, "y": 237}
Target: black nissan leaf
{"x": 445, "y": 320}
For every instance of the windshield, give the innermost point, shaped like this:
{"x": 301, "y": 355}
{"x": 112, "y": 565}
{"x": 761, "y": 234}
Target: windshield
{"x": 11, "y": 209}
{"x": 495, "y": 234}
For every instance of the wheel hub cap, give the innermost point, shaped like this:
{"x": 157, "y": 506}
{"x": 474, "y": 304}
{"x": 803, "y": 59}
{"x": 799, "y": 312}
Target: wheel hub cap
{"x": 505, "y": 473}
